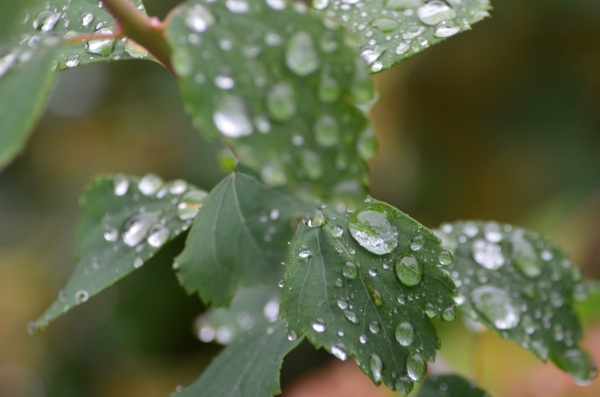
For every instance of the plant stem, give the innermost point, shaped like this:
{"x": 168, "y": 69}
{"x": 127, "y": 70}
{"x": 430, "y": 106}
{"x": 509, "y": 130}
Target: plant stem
{"x": 144, "y": 30}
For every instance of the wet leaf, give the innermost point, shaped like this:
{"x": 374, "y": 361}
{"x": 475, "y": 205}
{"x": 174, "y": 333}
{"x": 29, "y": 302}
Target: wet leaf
{"x": 239, "y": 238}
{"x": 125, "y": 221}
{"x": 450, "y": 386}
{"x": 280, "y": 86}
{"x": 390, "y": 31}
{"x": 521, "y": 286}
{"x": 250, "y": 365}
{"x": 355, "y": 286}
{"x": 26, "y": 79}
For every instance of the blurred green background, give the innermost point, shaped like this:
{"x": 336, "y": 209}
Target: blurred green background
{"x": 500, "y": 123}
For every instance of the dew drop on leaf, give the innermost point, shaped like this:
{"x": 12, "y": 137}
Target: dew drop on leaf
{"x": 319, "y": 326}
{"x": 371, "y": 53}
{"x": 405, "y": 334}
{"x": 138, "y": 262}
{"x": 292, "y": 336}
{"x": 121, "y": 185}
{"x": 86, "y": 18}
{"x": 339, "y": 352}
{"x": 238, "y": 6}
{"x": 137, "y": 227}
{"x": 231, "y": 117}
{"x": 190, "y": 204}
{"x": 337, "y": 231}
{"x": 416, "y": 367}
{"x": 7, "y": 62}
{"x": 326, "y": 131}
{"x": 350, "y": 270}
{"x": 580, "y": 366}
{"x": 301, "y": 55}
{"x": 408, "y": 270}
{"x": 417, "y": 243}
{"x": 81, "y": 296}
{"x": 497, "y": 306}
{"x": 374, "y": 327}
{"x": 103, "y": 47}
{"x": 46, "y": 20}
{"x": 446, "y": 258}
{"x": 404, "y": 385}
{"x": 434, "y": 12}
{"x": 371, "y": 228}
{"x": 150, "y": 184}
{"x": 198, "y": 18}
{"x": 488, "y": 255}
{"x": 280, "y": 102}
{"x": 446, "y": 29}
{"x": 158, "y": 236}
{"x": 351, "y": 316}
{"x": 376, "y": 367}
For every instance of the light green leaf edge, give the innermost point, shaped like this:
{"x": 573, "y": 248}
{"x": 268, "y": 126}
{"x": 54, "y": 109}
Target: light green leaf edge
{"x": 537, "y": 283}
{"x": 249, "y": 366}
{"x": 244, "y": 76}
{"x": 450, "y": 386}
{"x": 355, "y": 311}
{"x": 124, "y": 222}
{"x": 239, "y": 238}
{"x": 390, "y": 31}
{"x": 26, "y": 80}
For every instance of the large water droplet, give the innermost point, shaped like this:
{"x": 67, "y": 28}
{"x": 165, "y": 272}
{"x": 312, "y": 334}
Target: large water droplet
{"x": 412, "y": 32}
{"x": 190, "y": 204}
{"x": 488, "y": 255}
{"x": 301, "y": 55}
{"x": 238, "y": 6}
{"x": 371, "y": 228}
{"x": 337, "y": 231}
{"x": 580, "y": 366}
{"x": 525, "y": 257}
{"x": 446, "y": 29}
{"x": 86, "y": 18}
{"x": 319, "y": 326}
{"x": 404, "y": 385}
{"x": 280, "y": 102}
{"x": 435, "y": 12}
{"x": 320, "y": 4}
{"x": 137, "y": 227}
{"x": 327, "y": 131}
{"x": 416, "y": 367}
{"x": 158, "y": 236}
{"x": 417, "y": 242}
{"x": 446, "y": 258}
{"x": 408, "y": 270}
{"x": 405, "y": 334}
{"x": 103, "y": 47}
{"x": 46, "y": 20}
{"x": 231, "y": 117}
{"x": 376, "y": 367}
{"x": 121, "y": 184}
{"x": 497, "y": 306}
{"x": 339, "y": 352}
{"x": 371, "y": 53}
{"x": 150, "y": 184}
{"x": 198, "y": 18}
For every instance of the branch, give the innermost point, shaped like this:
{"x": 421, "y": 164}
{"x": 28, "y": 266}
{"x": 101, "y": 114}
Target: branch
{"x": 144, "y": 30}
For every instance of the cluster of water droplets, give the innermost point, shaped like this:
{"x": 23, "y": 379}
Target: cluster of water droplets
{"x": 515, "y": 280}
{"x": 403, "y": 27}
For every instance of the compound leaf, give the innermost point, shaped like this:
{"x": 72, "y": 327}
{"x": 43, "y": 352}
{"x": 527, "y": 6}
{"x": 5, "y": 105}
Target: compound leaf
{"x": 366, "y": 285}
{"x": 125, "y": 221}
{"x": 280, "y": 85}
{"x": 71, "y": 18}
{"x": 450, "y": 386}
{"x": 249, "y": 366}
{"x": 239, "y": 238}
{"x": 392, "y": 30}
{"x": 521, "y": 286}
{"x": 26, "y": 79}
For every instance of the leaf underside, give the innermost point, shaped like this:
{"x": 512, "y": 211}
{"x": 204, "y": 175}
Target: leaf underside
{"x": 239, "y": 238}
{"x": 450, "y": 386}
{"x": 26, "y": 79}
{"x": 70, "y": 18}
{"x": 521, "y": 286}
{"x": 125, "y": 221}
{"x": 280, "y": 86}
{"x": 249, "y": 366}
{"x": 390, "y": 31}
{"x": 351, "y": 302}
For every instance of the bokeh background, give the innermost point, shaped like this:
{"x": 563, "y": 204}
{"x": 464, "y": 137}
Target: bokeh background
{"x": 499, "y": 123}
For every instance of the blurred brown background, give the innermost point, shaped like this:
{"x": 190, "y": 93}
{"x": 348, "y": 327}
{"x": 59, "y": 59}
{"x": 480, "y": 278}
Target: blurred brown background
{"x": 499, "y": 123}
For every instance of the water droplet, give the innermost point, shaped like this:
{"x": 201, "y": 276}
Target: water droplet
{"x": 280, "y": 102}
{"x": 546, "y": 255}
{"x": 417, "y": 243}
{"x": 371, "y": 228}
{"x": 488, "y": 255}
{"x": 405, "y": 334}
{"x": 111, "y": 235}
{"x": 238, "y": 6}
{"x": 371, "y": 53}
{"x": 198, "y": 18}
{"x": 401, "y": 50}
{"x": 320, "y": 4}
{"x": 492, "y": 232}
{"x": 416, "y": 367}
{"x": 190, "y": 204}
{"x": 86, "y": 18}
{"x": 276, "y": 4}
{"x": 386, "y": 25}
{"x": 374, "y": 327}
{"x": 7, "y": 62}
{"x": 120, "y": 184}
{"x": 337, "y": 231}
{"x": 271, "y": 310}
{"x": 72, "y": 61}
{"x": 312, "y": 164}
{"x": 376, "y": 367}
{"x": 408, "y": 270}
{"x": 339, "y": 352}
{"x": 150, "y": 184}
{"x": 301, "y": 55}
{"x": 137, "y": 227}
{"x": 412, "y": 32}
{"x": 326, "y": 131}
{"x": 292, "y": 336}
{"x": 138, "y": 262}
{"x": 81, "y": 296}
{"x": 319, "y": 326}
{"x": 177, "y": 187}
{"x": 273, "y": 174}
{"x": 273, "y": 39}
{"x": 342, "y": 303}
{"x": 224, "y": 82}
{"x": 446, "y": 258}
{"x": 304, "y": 251}
{"x": 329, "y": 89}
{"x": 497, "y": 306}
{"x": 404, "y": 385}
{"x": 525, "y": 257}
{"x": 435, "y": 12}
{"x": 449, "y": 314}
{"x": 446, "y": 29}
{"x": 262, "y": 124}
{"x": 158, "y": 236}
{"x": 366, "y": 146}
{"x": 46, "y": 20}
{"x": 351, "y": 316}
{"x": 373, "y": 272}
{"x": 231, "y": 117}
{"x": 363, "y": 339}
{"x": 580, "y": 293}
{"x": 103, "y": 47}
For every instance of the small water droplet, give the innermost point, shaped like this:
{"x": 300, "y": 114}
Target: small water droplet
{"x": 446, "y": 258}
{"x": 120, "y": 184}
{"x": 137, "y": 227}
{"x": 401, "y": 50}
{"x": 280, "y": 102}
{"x": 435, "y": 12}
{"x": 231, "y": 117}
{"x": 350, "y": 270}
{"x": 326, "y": 131}
{"x": 404, "y": 385}
{"x": 371, "y": 53}
{"x": 190, "y": 204}
{"x": 86, "y": 18}
{"x": 351, "y": 316}
{"x": 337, "y": 231}
{"x": 497, "y": 306}
{"x": 158, "y": 236}
{"x": 72, "y": 61}
{"x": 412, "y": 32}
{"x": 449, "y": 314}
{"x": 417, "y": 243}
{"x": 446, "y": 28}
{"x": 46, "y": 20}
{"x": 138, "y": 262}
{"x": 103, "y": 47}
{"x": 339, "y": 352}
{"x": 371, "y": 228}
{"x": 301, "y": 55}
{"x": 292, "y": 336}
{"x": 405, "y": 334}
{"x": 238, "y": 6}
{"x": 319, "y": 326}
{"x": 408, "y": 270}
{"x": 276, "y": 4}
{"x": 488, "y": 255}
{"x": 374, "y": 327}
{"x": 81, "y": 296}
{"x": 111, "y": 235}
{"x": 580, "y": 366}
{"x": 224, "y": 82}
{"x": 320, "y": 4}
{"x": 416, "y": 367}
{"x": 271, "y": 310}
{"x": 150, "y": 184}
{"x": 386, "y": 25}
{"x": 376, "y": 367}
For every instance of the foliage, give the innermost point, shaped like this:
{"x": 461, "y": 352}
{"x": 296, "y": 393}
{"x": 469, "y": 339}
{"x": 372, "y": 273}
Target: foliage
{"x": 288, "y": 89}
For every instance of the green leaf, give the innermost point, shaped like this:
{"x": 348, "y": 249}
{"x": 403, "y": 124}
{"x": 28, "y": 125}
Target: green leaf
{"x": 521, "y": 286}
{"x": 26, "y": 79}
{"x": 239, "y": 238}
{"x": 249, "y": 366}
{"x": 280, "y": 85}
{"x": 71, "y": 18}
{"x": 450, "y": 386}
{"x": 125, "y": 221}
{"x": 366, "y": 284}
{"x": 392, "y": 30}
